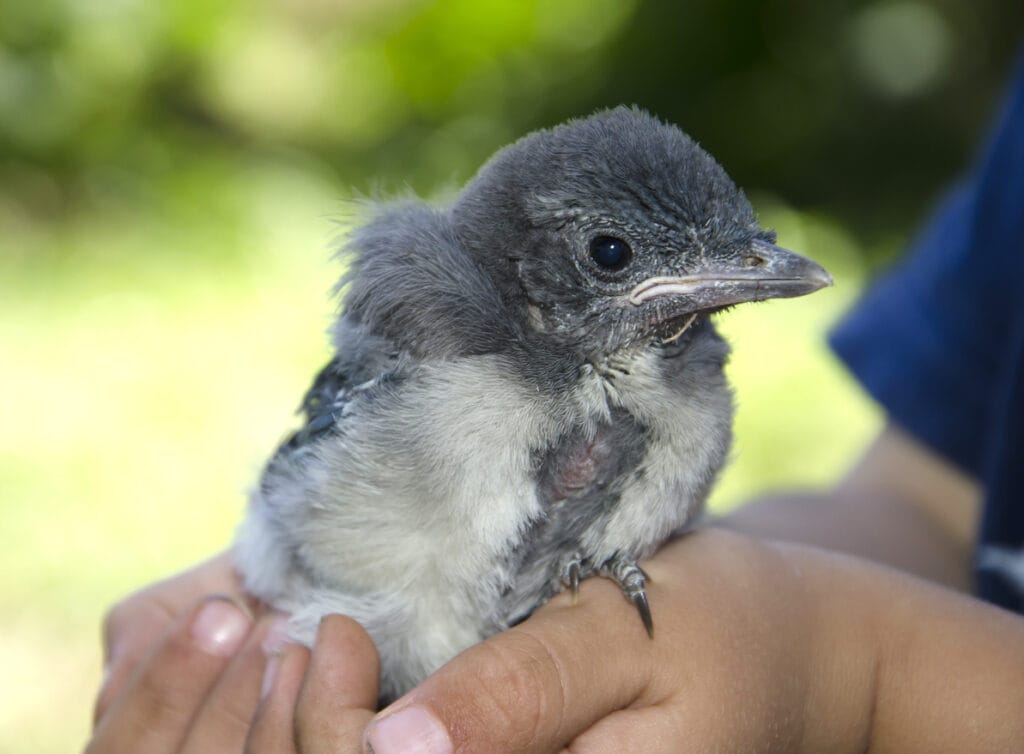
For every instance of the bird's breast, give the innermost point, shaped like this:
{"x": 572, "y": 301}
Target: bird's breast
{"x": 589, "y": 459}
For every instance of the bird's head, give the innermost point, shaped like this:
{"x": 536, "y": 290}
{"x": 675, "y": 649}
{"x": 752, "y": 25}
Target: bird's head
{"x": 618, "y": 230}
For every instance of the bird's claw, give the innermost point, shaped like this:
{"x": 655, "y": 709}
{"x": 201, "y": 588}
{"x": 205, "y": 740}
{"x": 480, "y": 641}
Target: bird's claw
{"x": 640, "y": 600}
{"x": 571, "y": 576}
{"x": 623, "y": 570}
{"x": 632, "y": 580}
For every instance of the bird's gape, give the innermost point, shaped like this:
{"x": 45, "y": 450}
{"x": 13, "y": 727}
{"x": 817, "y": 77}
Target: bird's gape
{"x": 682, "y": 329}
{"x": 674, "y": 336}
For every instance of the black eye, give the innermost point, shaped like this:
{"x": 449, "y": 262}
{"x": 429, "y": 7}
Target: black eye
{"x": 610, "y": 253}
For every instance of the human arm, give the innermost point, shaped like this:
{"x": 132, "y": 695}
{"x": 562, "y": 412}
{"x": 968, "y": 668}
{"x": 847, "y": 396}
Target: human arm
{"x": 900, "y": 504}
{"x": 896, "y": 480}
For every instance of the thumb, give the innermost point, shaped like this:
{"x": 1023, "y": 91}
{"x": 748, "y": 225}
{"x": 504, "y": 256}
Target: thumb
{"x": 533, "y": 688}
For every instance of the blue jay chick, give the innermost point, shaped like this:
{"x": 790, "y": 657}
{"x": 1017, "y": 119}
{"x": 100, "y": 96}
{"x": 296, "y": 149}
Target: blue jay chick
{"x": 527, "y": 391}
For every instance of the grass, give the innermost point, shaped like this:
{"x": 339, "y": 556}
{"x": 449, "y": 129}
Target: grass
{"x": 153, "y": 357}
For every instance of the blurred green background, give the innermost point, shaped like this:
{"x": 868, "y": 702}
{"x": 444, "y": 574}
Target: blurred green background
{"x": 174, "y": 174}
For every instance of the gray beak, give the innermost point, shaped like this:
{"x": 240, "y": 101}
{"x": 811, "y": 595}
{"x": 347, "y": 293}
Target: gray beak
{"x": 765, "y": 272}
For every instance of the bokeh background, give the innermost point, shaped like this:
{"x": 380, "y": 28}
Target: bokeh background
{"x": 173, "y": 176}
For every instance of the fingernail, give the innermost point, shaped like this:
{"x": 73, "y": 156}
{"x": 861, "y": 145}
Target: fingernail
{"x": 273, "y": 644}
{"x": 411, "y": 730}
{"x": 269, "y": 675}
{"x": 277, "y": 636}
{"x": 220, "y": 627}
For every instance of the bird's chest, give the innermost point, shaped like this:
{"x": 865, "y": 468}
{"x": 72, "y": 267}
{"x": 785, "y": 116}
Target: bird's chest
{"x": 634, "y": 467}
{"x": 591, "y": 458}
{"x": 638, "y": 426}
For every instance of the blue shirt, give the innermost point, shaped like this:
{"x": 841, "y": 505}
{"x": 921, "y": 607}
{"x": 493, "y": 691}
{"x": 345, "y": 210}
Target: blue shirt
{"x": 939, "y": 342}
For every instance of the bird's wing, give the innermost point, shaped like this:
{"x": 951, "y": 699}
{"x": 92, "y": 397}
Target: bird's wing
{"x": 324, "y": 404}
{"x": 397, "y": 501}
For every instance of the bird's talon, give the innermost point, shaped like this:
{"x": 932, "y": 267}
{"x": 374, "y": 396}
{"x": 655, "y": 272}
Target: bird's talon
{"x": 632, "y": 580}
{"x": 643, "y": 607}
{"x": 571, "y": 573}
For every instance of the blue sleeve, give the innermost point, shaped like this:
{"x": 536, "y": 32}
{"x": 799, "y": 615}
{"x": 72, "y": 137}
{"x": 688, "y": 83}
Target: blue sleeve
{"x": 928, "y": 340}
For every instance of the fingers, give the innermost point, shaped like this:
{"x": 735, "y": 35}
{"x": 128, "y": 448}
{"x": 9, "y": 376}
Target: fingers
{"x": 533, "y": 688}
{"x": 319, "y": 703}
{"x": 339, "y": 696}
{"x": 652, "y": 730}
{"x": 222, "y": 722}
{"x": 132, "y": 626}
{"x": 272, "y": 730}
{"x": 165, "y": 692}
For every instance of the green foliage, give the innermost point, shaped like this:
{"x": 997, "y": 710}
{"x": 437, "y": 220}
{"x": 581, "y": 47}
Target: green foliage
{"x": 861, "y": 109}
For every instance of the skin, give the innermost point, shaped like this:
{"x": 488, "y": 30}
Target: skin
{"x": 761, "y": 645}
{"x": 929, "y": 508}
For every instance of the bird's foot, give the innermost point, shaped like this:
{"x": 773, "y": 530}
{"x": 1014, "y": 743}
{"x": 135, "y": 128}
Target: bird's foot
{"x": 573, "y": 568}
{"x": 632, "y": 580}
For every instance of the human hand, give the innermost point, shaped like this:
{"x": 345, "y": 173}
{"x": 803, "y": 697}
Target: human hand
{"x": 744, "y": 658}
{"x": 319, "y": 703}
{"x": 219, "y": 682}
{"x": 183, "y": 663}
{"x": 132, "y": 627}
{"x": 190, "y": 670}
{"x": 196, "y": 688}
{"x": 765, "y": 647}
{"x": 758, "y": 647}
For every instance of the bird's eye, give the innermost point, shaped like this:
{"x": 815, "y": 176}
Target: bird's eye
{"x": 610, "y": 253}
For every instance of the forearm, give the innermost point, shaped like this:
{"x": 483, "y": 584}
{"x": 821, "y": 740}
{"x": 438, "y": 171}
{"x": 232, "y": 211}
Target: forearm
{"x": 900, "y": 504}
{"x": 905, "y": 666}
{"x": 885, "y": 531}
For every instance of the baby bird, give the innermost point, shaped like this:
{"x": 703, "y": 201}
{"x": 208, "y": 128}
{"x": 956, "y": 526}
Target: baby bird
{"x": 527, "y": 391}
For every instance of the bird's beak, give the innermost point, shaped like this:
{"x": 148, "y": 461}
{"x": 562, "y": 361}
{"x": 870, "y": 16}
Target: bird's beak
{"x": 766, "y": 271}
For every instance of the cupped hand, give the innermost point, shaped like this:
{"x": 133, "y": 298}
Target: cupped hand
{"x": 757, "y": 647}
{"x": 196, "y": 688}
{"x": 743, "y": 659}
{"x": 133, "y": 626}
{"x": 193, "y": 668}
